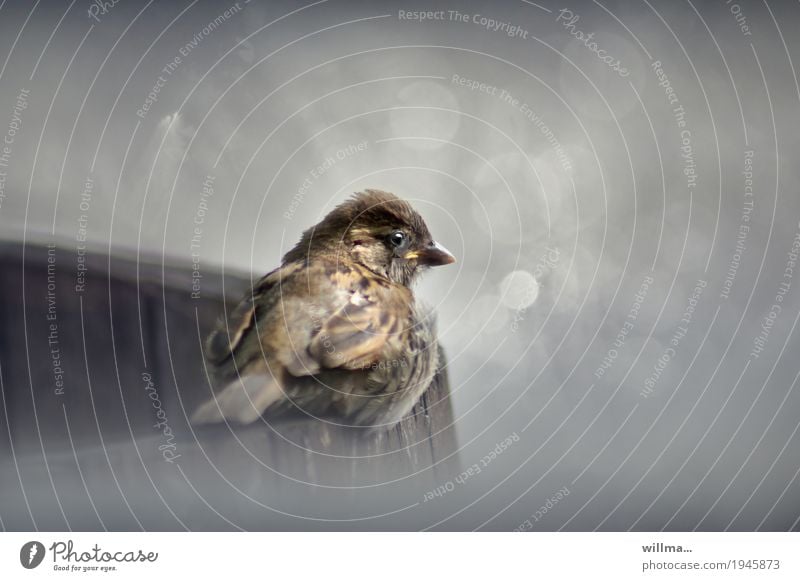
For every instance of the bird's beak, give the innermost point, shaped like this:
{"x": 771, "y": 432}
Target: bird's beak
{"x": 433, "y": 255}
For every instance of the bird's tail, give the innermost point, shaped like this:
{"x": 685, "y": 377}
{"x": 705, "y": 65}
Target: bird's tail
{"x": 243, "y": 400}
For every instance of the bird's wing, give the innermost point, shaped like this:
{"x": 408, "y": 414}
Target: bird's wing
{"x": 309, "y": 318}
{"x": 228, "y": 334}
{"x": 247, "y": 385}
{"x": 303, "y": 319}
{"x": 232, "y": 331}
{"x": 355, "y": 335}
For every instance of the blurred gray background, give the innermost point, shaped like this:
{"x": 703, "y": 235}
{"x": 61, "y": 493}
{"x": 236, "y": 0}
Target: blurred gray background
{"x": 618, "y": 180}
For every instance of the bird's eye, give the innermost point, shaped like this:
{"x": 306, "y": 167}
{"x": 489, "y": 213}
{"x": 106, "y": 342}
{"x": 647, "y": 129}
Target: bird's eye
{"x": 398, "y": 239}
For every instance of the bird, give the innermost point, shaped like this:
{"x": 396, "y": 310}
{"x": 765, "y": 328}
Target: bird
{"x": 335, "y": 331}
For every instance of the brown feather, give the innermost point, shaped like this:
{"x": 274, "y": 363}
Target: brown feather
{"x": 335, "y": 329}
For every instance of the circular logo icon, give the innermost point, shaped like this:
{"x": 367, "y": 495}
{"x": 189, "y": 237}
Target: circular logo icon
{"x": 31, "y": 554}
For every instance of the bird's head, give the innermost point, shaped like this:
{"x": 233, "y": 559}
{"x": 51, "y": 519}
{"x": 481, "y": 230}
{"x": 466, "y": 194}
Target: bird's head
{"x": 379, "y": 231}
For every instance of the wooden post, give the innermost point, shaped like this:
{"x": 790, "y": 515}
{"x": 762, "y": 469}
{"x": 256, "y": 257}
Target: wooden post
{"x": 97, "y": 399}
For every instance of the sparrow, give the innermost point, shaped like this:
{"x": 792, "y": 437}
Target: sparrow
{"x": 334, "y": 331}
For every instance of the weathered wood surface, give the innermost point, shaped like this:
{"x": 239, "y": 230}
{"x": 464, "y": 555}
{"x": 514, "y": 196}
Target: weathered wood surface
{"x": 100, "y": 454}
